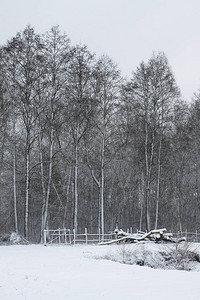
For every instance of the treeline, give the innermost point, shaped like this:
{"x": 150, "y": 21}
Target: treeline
{"x": 82, "y": 147}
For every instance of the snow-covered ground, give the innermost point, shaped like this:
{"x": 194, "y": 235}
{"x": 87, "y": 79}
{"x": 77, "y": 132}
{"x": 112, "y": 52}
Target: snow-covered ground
{"x": 36, "y": 272}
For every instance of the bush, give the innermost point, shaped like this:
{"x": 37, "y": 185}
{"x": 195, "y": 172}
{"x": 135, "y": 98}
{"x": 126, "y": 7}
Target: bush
{"x": 179, "y": 256}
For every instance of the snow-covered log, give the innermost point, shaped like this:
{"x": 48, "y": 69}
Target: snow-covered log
{"x": 122, "y": 236}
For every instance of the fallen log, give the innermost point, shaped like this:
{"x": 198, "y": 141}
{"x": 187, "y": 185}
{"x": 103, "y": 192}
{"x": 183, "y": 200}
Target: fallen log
{"x": 132, "y": 238}
{"x": 153, "y": 232}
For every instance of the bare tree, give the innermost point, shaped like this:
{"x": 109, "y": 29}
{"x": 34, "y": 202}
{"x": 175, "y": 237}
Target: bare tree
{"x": 153, "y": 91}
{"x": 22, "y": 57}
{"x": 106, "y": 88}
{"x": 50, "y": 103}
{"x": 80, "y": 106}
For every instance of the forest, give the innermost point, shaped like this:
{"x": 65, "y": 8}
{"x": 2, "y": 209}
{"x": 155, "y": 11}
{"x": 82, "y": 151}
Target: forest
{"x": 83, "y": 147}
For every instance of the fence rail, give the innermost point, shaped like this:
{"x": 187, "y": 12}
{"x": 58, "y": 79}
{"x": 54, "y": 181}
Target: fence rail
{"x": 190, "y": 236}
{"x": 65, "y": 236}
{"x": 68, "y": 237}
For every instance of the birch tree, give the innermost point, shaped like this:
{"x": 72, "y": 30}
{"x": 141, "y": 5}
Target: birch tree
{"x": 106, "y": 88}
{"x": 165, "y": 94}
{"x": 153, "y": 89}
{"x": 21, "y": 58}
{"x": 79, "y": 109}
{"x": 50, "y": 102}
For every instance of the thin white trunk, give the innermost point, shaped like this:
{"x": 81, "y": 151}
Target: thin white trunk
{"x": 49, "y": 177}
{"x": 147, "y": 191}
{"x": 43, "y": 185}
{"x": 179, "y": 215}
{"x": 67, "y": 197}
{"x": 141, "y": 199}
{"x": 141, "y": 208}
{"x": 98, "y": 183}
{"x": 27, "y": 192}
{"x": 158, "y": 183}
{"x": 102, "y": 184}
{"x": 76, "y": 182}
{"x": 149, "y": 165}
{"x": 14, "y": 170}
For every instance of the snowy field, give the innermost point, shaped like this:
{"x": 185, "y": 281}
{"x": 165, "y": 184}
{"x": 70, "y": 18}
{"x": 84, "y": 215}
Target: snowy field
{"x": 36, "y": 272}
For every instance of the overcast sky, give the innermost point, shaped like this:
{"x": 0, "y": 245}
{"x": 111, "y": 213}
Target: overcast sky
{"x": 126, "y": 30}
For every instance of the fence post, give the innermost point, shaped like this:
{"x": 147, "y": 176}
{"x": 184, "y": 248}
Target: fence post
{"x": 59, "y": 235}
{"x": 70, "y": 238}
{"x": 45, "y": 237}
{"x": 74, "y": 231}
{"x": 86, "y": 236}
{"x": 99, "y": 230}
{"x": 65, "y": 235}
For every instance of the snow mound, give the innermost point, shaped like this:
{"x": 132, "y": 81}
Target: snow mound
{"x": 179, "y": 256}
{"x": 15, "y": 238}
{"x": 12, "y": 239}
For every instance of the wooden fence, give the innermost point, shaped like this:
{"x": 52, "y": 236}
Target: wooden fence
{"x": 190, "y": 236}
{"x": 65, "y": 236}
{"x": 68, "y": 237}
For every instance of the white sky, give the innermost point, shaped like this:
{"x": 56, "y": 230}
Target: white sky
{"x": 126, "y": 30}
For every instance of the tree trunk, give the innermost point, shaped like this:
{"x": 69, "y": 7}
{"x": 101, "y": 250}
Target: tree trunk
{"x": 148, "y": 175}
{"x": 42, "y": 184}
{"x": 102, "y": 183}
{"x": 141, "y": 199}
{"x": 76, "y": 181}
{"x": 14, "y": 170}
{"x": 147, "y": 191}
{"x": 158, "y": 183}
{"x": 179, "y": 214}
{"x": 49, "y": 178}
{"x": 67, "y": 198}
{"x": 26, "y": 233}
